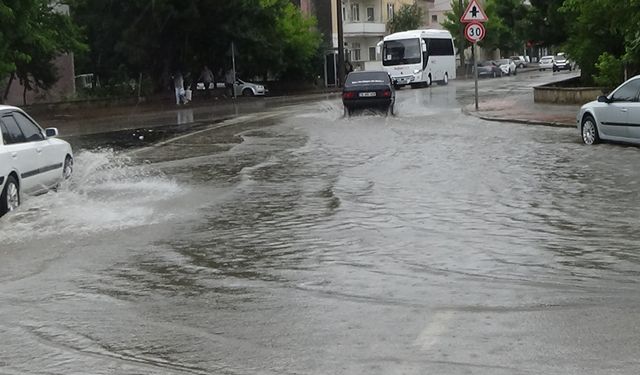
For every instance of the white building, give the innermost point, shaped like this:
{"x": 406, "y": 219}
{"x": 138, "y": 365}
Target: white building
{"x": 364, "y": 25}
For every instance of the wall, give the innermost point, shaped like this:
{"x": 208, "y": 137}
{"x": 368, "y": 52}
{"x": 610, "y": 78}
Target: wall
{"x": 565, "y": 95}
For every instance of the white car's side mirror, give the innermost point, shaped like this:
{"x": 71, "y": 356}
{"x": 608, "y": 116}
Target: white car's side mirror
{"x": 51, "y": 132}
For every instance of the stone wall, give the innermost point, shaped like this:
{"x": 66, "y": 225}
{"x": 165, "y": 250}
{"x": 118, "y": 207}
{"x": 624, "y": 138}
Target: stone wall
{"x": 555, "y": 93}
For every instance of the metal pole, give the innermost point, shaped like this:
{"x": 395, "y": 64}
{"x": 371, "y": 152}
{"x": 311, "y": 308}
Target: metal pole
{"x": 461, "y": 44}
{"x": 340, "y": 44}
{"x": 475, "y": 69}
{"x": 233, "y": 62}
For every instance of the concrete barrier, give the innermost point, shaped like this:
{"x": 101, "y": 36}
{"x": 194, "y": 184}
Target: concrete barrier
{"x": 566, "y": 92}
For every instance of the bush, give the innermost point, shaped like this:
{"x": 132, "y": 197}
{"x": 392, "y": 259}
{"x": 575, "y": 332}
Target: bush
{"x": 610, "y": 70}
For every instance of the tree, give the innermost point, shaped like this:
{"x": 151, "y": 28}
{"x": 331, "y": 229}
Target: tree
{"x": 33, "y": 34}
{"x": 508, "y": 25}
{"x": 548, "y": 25}
{"x": 456, "y": 28}
{"x": 129, "y": 37}
{"x": 603, "y": 38}
{"x": 408, "y": 17}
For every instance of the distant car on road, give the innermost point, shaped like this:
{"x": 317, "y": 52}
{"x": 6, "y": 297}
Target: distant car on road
{"x": 488, "y": 69}
{"x": 615, "y": 117}
{"x": 507, "y": 66}
{"x": 560, "y": 62}
{"x": 368, "y": 89}
{"x": 520, "y": 61}
{"x": 32, "y": 160}
{"x": 546, "y": 62}
{"x": 249, "y": 89}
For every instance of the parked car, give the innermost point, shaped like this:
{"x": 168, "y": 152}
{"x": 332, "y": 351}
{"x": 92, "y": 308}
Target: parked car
{"x": 507, "y": 66}
{"x": 546, "y": 62}
{"x": 615, "y": 117}
{"x": 368, "y": 89}
{"x": 520, "y": 61}
{"x": 249, "y": 89}
{"x": 32, "y": 160}
{"x": 488, "y": 69}
{"x": 560, "y": 62}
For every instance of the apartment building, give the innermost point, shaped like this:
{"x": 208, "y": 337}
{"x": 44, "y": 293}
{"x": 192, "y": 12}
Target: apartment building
{"x": 437, "y": 10}
{"x": 364, "y": 25}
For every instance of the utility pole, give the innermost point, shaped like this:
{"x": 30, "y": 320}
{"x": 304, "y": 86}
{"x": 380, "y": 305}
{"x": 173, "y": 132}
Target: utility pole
{"x": 340, "y": 44}
{"x": 461, "y": 43}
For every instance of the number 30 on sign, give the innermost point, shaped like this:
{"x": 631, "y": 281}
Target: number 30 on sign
{"x": 474, "y": 32}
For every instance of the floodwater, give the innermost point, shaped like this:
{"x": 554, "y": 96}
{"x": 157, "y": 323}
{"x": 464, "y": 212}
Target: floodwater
{"x": 296, "y": 241}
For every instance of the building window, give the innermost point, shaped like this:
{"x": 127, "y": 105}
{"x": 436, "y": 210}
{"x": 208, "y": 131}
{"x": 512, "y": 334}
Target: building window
{"x": 370, "y": 15}
{"x": 434, "y": 18}
{"x": 372, "y": 53}
{"x": 344, "y": 14}
{"x": 390, "y": 11}
{"x": 355, "y": 52}
{"x": 355, "y": 12}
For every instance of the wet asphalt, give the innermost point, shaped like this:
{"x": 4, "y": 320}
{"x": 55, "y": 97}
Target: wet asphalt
{"x": 286, "y": 239}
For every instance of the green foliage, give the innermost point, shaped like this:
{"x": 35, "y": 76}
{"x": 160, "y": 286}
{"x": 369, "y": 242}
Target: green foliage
{"x": 408, "y": 17}
{"x": 155, "y": 38}
{"x": 600, "y": 27}
{"x": 547, "y": 23}
{"x": 610, "y": 70}
{"x": 455, "y": 27}
{"x": 507, "y": 25}
{"x": 505, "y": 29}
{"x": 32, "y": 35}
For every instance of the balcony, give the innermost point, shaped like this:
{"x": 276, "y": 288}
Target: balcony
{"x": 364, "y": 28}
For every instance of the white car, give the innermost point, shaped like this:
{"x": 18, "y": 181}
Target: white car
{"x": 32, "y": 161}
{"x": 615, "y": 117}
{"x": 249, "y": 89}
{"x": 520, "y": 61}
{"x": 507, "y": 66}
{"x": 546, "y": 62}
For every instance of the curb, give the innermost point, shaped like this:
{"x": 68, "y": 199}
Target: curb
{"x": 517, "y": 121}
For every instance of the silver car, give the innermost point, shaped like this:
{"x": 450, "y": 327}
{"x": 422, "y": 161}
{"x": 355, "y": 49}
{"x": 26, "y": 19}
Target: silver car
{"x": 249, "y": 89}
{"x": 615, "y": 117}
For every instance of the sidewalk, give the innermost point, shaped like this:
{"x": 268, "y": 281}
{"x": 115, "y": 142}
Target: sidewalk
{"x": 521, "y": 109}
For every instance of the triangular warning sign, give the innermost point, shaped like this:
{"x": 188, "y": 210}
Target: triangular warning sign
{"x": 473, "y": 13}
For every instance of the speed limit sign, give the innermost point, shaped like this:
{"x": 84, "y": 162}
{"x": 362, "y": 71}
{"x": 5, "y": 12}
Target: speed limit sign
{"x": 474, "y": 32}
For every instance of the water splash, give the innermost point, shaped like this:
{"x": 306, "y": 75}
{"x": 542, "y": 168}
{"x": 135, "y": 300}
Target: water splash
{"x": 108, "y": 191}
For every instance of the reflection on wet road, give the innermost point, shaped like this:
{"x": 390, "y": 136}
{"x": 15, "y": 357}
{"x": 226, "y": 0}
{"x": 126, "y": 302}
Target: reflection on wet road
{"x": 300, "y": 242}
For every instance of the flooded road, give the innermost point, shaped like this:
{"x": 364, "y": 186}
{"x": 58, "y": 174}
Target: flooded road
{"x": 296, "y": 241}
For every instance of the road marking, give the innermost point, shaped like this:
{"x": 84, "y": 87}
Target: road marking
{"x": 434, "y": 330}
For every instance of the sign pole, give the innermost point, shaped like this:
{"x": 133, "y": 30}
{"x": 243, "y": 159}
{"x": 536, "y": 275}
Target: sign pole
{"x": 475, "y": 65}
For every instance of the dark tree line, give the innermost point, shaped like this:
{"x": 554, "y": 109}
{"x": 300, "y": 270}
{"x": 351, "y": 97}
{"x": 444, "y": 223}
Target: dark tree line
{"x": 119, "y": 40}
{"x": 155, "y": 38}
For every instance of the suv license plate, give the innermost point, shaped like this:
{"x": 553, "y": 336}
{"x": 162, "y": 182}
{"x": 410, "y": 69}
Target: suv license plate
{"x": 367, "y": 94}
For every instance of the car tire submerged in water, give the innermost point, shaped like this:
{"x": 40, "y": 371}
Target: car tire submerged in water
{"x": 67, "y": 169}
{"x": 247, "y": 92}
{"x": 445, "y": 80}
{"x": 390, "y": 110}
{"x": 589, "y": 131}
{"x": 10, "y": 197}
